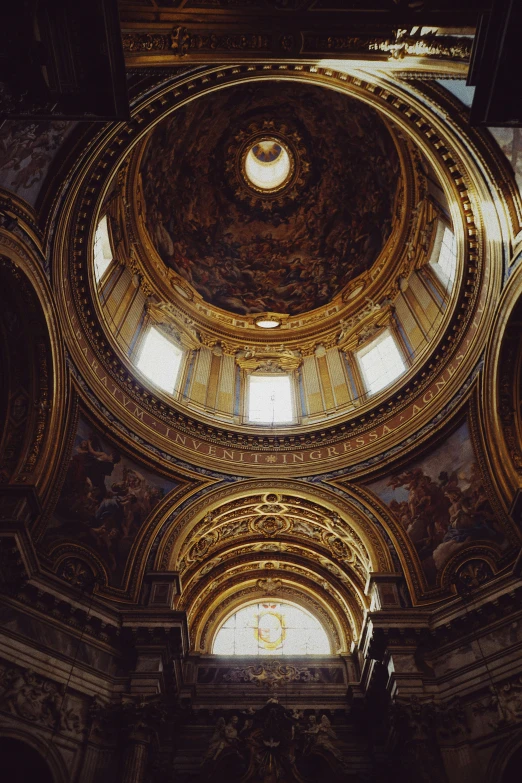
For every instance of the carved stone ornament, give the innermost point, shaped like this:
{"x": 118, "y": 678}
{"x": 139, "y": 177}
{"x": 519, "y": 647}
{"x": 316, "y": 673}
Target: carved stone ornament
{"x": 138, "y": 718}
{"x": 77, "y": 573}
{"x": 471, "y": 575}
{"x": 36, "y": 699}
{"x": 348, "y": 325}
{"x": 415, "y": 43}
{"x": 269, "y": 585}
{"x": 269, "y": 359}
{"x": 175, "y": 324}
{"x": 271, "y": 674}
{"x": 269, "y": 744}
{"x": 503, "y": 706}
{"x": 180, "y": 41}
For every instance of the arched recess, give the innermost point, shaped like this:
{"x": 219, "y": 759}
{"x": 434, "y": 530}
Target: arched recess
{"x": 32, "y": 389}
{"x": 282, "y": 540}
{"x": 506, "y": 761}
{"x": 501, "y": 386}
{"x": 26, "y": 757}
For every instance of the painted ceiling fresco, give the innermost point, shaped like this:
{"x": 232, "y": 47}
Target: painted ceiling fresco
{"x": 105, "y": 499}
{"x": 26, "y": 153}
{"x": 294, "y": 256}
{"x": 441, "y": 502}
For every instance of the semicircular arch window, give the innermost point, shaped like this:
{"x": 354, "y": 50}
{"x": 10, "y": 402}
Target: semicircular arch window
{"x": 271, "y": 628}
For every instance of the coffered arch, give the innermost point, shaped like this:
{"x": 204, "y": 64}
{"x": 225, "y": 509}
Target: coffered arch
{"x": 276, "y": 572}
{"x": 279, "y": 541}
{"x": 341, "y": 524}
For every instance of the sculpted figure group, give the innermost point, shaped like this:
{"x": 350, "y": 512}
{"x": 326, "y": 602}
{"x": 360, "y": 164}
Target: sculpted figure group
{"x": 274, "y": 741}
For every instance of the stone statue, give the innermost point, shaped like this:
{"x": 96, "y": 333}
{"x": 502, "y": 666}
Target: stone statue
{"x": 217, "y": 742}
{"x": 225, "y": 736}
{"x": 321, "y": 738}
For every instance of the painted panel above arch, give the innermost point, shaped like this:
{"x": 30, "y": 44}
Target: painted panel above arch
{"x": 105, "y": 501}
{"x": 443, "y": 503}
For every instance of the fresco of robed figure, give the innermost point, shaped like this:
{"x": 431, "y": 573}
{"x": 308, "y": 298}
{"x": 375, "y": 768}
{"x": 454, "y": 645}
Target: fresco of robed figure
{"x": 105, "y": 499}
{"x": 441, "y": 502}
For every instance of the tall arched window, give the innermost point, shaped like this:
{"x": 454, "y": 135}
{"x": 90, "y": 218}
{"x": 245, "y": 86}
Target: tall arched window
{"x": 102, "y": 249}
{"x": 381, "y": 362}
{"x": 160, "y": 360}
{"x": 271, "y": 628}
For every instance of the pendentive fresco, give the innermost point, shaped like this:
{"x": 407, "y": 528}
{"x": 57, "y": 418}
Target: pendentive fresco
{"x": 105, "y": 499}
{"x": 440, "y": 501}
{"x": 26, "y": 152}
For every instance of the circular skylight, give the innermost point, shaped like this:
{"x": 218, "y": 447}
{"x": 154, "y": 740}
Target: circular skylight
{"x": 268, "y": 165}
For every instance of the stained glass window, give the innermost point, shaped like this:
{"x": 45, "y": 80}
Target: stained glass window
{"x": 160, "y": 360}
{"x": 271, "y": 628}
{"x": 380, "y": 362}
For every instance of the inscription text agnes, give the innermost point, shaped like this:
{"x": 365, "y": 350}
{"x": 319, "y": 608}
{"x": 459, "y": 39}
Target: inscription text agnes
{"x": 188, "y": 445}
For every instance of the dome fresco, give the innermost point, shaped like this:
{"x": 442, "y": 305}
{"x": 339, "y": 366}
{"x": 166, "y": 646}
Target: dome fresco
{"x": 296, "y": 249}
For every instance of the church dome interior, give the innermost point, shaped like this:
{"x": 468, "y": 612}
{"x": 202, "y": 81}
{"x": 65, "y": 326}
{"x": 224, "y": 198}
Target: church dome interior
{"x": 308, "y": 297}
{"x": 260, "y": 428}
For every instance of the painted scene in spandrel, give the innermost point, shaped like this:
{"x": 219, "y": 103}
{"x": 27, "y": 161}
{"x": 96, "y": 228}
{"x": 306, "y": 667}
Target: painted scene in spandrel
{"x": 105, "y": 499}
{"x": 441, "y": 502}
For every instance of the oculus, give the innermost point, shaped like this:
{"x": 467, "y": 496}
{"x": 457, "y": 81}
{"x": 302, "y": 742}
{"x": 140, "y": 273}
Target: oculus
{"x": 267, "y": 164}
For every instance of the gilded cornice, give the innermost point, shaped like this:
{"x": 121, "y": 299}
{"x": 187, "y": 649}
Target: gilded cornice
{"x": 416, "y": 399}
{"x": 181, "y": 35}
